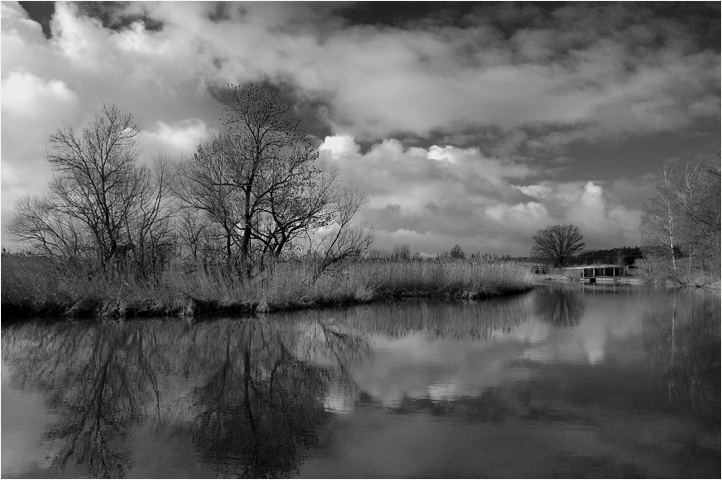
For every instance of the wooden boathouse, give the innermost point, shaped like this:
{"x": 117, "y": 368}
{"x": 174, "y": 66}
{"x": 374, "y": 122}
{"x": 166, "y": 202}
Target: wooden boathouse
{"x": 593, "y": 274}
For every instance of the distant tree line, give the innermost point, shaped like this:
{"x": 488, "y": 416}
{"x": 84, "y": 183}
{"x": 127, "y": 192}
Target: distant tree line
{"x": 618, "y": 256}
{"x": 253, "y": 193}
{"x": 403, "y": 252}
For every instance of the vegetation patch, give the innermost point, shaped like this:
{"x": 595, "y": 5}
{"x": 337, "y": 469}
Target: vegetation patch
{"x": 31, "y": 287}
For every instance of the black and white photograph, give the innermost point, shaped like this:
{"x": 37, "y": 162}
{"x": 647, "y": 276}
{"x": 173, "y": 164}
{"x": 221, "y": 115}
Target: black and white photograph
{"x": 412, "y": 239}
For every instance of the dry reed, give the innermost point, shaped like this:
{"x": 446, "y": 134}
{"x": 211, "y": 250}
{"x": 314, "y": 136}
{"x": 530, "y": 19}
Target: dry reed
{"x": 30, "y": 287}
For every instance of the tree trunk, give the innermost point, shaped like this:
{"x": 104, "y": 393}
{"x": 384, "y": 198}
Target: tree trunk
{"x": 229, "y": 253}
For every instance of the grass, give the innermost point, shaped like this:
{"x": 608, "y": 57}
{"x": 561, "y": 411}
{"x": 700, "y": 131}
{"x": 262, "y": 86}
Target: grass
{"x": 31, "y": 287}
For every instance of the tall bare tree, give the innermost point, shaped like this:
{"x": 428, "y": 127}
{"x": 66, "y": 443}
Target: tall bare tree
{"x": 682, "y": 213}
{"x": 206, "y": 183}
{"x": 557, "y": 243}
{"x": 261, "y": 181}
{"x": 661, "y": 219}
{"x": 101, "y": 203}
{"x": 97, "y": 180}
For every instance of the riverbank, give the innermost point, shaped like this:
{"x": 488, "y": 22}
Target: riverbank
{"x": 552, "y": 279}
{"x": 31, "y": 287}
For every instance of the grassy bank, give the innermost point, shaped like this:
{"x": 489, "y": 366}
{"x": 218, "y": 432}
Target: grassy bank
{"x": 31, "y": 287}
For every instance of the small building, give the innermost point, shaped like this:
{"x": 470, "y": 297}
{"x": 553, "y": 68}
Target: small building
{"x": 592, "y": 273}
{"x": 539, "y": 268}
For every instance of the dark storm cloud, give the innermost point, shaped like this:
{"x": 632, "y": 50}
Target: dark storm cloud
{"x": 118, "y": 15}
{"x": 311, "y": 111}
{"x": 403, "y": 14}
{"x": 41, "y": 12}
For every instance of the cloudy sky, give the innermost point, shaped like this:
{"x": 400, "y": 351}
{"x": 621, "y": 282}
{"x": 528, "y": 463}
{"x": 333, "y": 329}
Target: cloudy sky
{"x": 469, "y": 123}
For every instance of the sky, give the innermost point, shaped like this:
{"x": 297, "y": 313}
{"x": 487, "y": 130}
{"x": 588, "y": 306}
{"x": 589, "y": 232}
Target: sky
{"x": 470, "y": 123}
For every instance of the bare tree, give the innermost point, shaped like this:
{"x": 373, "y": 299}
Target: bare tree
{"x": 98, "y": 182}
{"x": 190, "y": 232}
{"x": 557, "y": 243}
{"x": 302, "y": 202}
{"x": 261, "y": 181}
{"x": 101, "y": 204}
{"x": 269, "y": 148}
{"x": 341, "y": 239}
{"x": 54, "y": 234}
{"x": 682, "y": 212}
{"x": 206, "y": 183}
{"x": 661, "y": 222}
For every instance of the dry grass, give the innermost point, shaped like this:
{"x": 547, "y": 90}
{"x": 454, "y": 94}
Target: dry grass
{"x": 31, "y": 287}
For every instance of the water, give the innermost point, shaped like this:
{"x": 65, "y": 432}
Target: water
{"x": 559, "y": 382}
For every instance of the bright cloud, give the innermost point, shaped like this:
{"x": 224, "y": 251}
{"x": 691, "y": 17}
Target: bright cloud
{"x": 174, "y": 140}
{"x": 434, "y": 198}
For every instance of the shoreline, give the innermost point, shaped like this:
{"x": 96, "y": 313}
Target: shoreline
{"x": 196, "y": 308}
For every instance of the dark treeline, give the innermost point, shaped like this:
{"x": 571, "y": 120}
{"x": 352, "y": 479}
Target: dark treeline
{"x": 619, "y": 255}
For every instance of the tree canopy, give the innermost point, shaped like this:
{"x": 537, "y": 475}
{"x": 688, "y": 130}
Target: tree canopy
{"x": 557, "y": 243}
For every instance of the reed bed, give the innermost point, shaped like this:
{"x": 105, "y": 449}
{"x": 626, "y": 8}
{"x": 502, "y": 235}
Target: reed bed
{"x": 31, "y": 287}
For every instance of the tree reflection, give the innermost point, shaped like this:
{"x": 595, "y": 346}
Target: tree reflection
{"x": 448, "y": 320}
{"x": 258, "y": 402}
{"x": 100, "y": 382}
{"x": 682, "y": 337}
{"x": 260, "y": 392}
{"x": 559, "y": 306}
{"x": 260, "y": 388}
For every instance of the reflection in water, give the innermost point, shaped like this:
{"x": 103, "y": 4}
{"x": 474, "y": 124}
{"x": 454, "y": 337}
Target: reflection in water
{"x": 682, "y": 336}
{"x": 260, "y": 395}
{"x": 448, "y": 320}
{"x": 257, "y": 397}
{"x": 99, "y": 380}
{"x": 560, "y": 306}
{"x": 263, "y": 395}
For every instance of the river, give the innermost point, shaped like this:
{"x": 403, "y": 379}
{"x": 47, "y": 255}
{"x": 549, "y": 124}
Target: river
{"x": 558, "y": 382}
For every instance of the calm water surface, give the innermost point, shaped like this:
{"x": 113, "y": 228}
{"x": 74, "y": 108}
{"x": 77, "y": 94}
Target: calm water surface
{"x": 560, "y": 382}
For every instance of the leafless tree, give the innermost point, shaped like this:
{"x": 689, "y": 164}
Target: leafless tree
{"x": 682, "y": 212}
{"x": 150, "y": 221}
{"x": 268, "y": 149}
{"x": 206, "y": 183}
{"x": 302, "y": 202}
{"x": 341, "y": 239}
{"x": 190, "y": 232}
{"x": 97, "y": 180}
{"x": 261, "y": 181}
{"x": 57, "y": 236}
{"x": 557, "y": 243}
{"x": 661, "y": 222}
{"x": 101, "y": 204}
